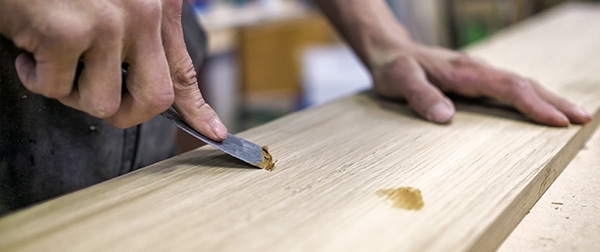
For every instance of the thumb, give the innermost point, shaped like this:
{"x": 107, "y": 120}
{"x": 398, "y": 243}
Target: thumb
{"x": 188, "y": 99}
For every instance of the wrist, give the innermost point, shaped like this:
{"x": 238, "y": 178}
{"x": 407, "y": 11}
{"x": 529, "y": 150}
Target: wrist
{"x": 369, "y": 27}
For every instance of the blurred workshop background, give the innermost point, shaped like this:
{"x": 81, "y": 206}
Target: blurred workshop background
{"x": 267, "y": 58}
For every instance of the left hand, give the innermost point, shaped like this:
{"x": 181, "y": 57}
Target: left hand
{"x": 145, "y": 34}
{"x": 421, "y": 74}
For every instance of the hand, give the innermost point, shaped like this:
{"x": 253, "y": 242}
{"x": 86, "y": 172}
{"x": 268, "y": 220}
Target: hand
{"x": 146, "y": 34}
{"x": 420, "y": 74}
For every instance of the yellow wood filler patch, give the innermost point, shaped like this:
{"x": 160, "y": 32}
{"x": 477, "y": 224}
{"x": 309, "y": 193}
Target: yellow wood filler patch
{"x": 404, "y": 197}
{"x": 267, "y": 162}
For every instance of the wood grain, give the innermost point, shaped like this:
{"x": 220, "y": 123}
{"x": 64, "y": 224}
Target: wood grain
{"x": 477, "y": 176}
{"x": 567, "y": 216}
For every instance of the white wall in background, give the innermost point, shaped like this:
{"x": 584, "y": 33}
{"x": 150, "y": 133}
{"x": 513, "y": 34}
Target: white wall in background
{"x": 332, "y": 72}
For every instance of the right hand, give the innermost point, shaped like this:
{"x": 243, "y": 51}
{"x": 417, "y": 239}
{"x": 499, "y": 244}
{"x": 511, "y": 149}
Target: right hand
{"x": 421, "y": 74}
{"x": 146, "y": 34}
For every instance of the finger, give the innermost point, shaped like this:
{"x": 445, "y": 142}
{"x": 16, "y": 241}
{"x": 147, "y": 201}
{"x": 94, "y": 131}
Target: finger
{"x": 47, "y": 73}
{"x": 98, "y": 89}
{"x": 523, "y": 96}
{"x": 188, "y": 98}
{"x": 575, "y": 113}
{"x": 474, "y": 79}
{"x": 148, "y": 83}
{"x": 429, "y": 102}
{"x": 532, "y": 105}
{"x": 423, "y": 97}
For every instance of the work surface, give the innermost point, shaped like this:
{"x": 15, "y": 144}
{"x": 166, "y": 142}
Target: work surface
{"x": 478, "y": 176}
{"x": 567, "y": 216}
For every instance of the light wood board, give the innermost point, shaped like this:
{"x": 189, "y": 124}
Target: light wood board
{"x": 567, "y": 216}
{"x": 478, "y": 176}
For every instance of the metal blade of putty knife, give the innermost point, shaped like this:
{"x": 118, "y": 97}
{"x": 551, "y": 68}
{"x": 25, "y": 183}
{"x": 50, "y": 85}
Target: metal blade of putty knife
{"x": 240, "y": 148}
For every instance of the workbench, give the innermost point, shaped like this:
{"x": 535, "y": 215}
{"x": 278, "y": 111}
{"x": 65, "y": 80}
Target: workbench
{"x": 463, "y": 186}
{"x": 567, "y": 216}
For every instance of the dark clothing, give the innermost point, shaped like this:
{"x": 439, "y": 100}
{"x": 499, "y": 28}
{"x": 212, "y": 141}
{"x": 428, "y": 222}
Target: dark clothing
{"x": 48, "y": 149}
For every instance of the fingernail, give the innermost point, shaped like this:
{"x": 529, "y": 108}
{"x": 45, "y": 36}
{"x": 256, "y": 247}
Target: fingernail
{"x": 440, "y": 113}
{"x": 584, "y": 113}
{"x": 218, "y": 128}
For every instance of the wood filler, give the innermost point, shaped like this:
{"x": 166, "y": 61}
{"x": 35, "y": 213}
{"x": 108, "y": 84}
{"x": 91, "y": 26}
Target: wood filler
{"x": 267, "y": 161}
{"x": 404, "y": 197}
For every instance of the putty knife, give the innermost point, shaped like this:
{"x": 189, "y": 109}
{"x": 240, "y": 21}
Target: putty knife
{"x": 240, "y": 148}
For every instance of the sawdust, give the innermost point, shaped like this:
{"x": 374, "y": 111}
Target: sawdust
{"x": 267, "y": 162}
{"x": 404, "y": 197}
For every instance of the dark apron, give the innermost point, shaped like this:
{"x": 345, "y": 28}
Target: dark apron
{"x": 48, "y": 149}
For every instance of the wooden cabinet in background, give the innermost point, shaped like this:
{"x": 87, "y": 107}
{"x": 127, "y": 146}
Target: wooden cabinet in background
{"x": 271, "y": 56}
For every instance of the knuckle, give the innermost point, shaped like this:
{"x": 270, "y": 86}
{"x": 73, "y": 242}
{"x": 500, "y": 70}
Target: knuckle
{"x": 161, "y": 101}
{"x": 52, "y": 91}
{"x": 111, "y": 24}
{"x": 448, "y": 76}
{"x": 149, "y": 11}
{"x": 464, "y": 59}
{"x": 396, "y": 79}
{"x": 204, "y": 110}
{"x": 516, "y": 84}
{"x": 387, "y": 65}
{"x": 103, "y": 109}
{"x": 399, "y": 70}
{"x": 65, "y": 31}
{"x": 403, "y": 61}
{"x": 518, "y": 89}
{"x": 198, "y": 107}
{"x": 186, "y": 76}
{"x": 446, "y": 81}
{"x": 202, "y": 105}
{"x": 25, "y": 40}
{"x": 533, "y": 83}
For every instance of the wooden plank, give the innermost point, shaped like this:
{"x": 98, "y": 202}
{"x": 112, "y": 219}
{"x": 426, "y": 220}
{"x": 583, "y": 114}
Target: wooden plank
{"x": 567, "y": 216}
{"x": 477, "y": 177}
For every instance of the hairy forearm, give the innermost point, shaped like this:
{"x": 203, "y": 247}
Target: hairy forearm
{"x": 368, "y": 26}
